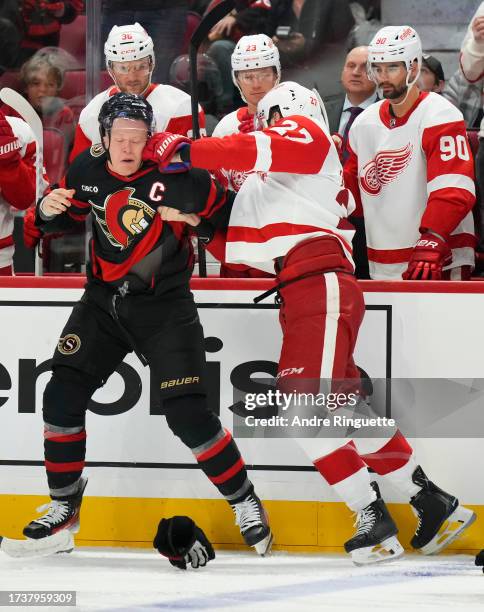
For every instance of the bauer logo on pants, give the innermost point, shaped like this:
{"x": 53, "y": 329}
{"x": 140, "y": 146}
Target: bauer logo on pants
{"x": 68, "y": 345}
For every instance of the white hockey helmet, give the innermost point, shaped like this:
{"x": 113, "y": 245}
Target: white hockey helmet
{"x": 127, "y": 43}
{"x": 255, "y": 51}
{"x": 395, "y": 44}
{"x": 290, "y": 99}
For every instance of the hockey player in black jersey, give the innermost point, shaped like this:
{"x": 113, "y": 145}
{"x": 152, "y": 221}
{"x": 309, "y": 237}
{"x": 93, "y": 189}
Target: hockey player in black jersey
{"x": 137, "y": 298}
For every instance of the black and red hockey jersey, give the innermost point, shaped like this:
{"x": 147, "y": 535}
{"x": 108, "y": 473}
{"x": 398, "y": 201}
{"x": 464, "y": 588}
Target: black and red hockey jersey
{"x": 126, "y": 224}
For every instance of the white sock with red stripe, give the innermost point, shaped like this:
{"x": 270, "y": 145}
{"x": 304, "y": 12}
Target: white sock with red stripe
{"x": 395, "y": 461}
{"x": 348, "y": 475}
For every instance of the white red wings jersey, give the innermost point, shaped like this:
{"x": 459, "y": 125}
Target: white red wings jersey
{"x": 295, "y": 190}
{"x": 18, "y": 191}
{"x": 226, "y": 127}
{"x": 412, "y": 173}
{"x": 472, "y": 57}
{"x": 171, "y": 107}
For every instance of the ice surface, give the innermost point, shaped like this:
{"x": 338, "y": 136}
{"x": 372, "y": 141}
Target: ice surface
{"x": 128, "y": 580}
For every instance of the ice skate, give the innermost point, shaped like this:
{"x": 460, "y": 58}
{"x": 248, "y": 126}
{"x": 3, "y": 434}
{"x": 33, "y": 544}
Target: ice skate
{"x": 375, "y": 539}
{"x": 62, "y": 513}
{"x": 252, "y": 519}
{"x": 440, "y": 517}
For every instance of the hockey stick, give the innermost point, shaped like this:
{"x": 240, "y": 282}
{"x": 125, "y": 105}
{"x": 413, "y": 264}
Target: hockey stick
{"x": 28, "y": 114}
{"x": 214, "y": 16}
{"x": 62, "y": 541}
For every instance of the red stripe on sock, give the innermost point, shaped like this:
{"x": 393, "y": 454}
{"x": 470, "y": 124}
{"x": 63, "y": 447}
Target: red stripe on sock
{"x": 216, "y": 448}
{"x": 392, "y": 456}
{"x": 60, "y": 437}
{"x": 73, "y": 466}
{"x": 340, "y": 464}
{"x": 228, "y": 473}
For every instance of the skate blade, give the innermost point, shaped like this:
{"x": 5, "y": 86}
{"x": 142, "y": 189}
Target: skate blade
{"x": 264, "y": 547}
{"x": 388, "y": 550}
{"x": 450, "y": 530}
{"x": 62, "y": 541}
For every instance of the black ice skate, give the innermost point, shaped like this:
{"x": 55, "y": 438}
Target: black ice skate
{"x": 440, "y": 517}
{"x": 375, "y": 538}
{"x": 252, "y": 519}
{"x": 62, "y": 513}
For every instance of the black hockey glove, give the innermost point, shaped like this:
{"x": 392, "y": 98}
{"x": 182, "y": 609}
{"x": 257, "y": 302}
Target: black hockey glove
{"x": 480, "y": 559}
{"x": 179, "y": 539}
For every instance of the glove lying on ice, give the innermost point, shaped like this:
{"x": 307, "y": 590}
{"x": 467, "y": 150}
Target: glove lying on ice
{"x": 161, "y": 147}
{"x": 480, "y": 559}
{"x": 179, "y": 539}
{"x": 430, "y": 255}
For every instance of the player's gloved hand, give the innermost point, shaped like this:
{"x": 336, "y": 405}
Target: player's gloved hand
{"x": 32, "y": 233}
{"x": 179, "y": 539}
{"x": 430, "y": 255}
{"x": 246, "y": 124}
{"x": 161, "y": 147}
{"x": 9, "y": 146}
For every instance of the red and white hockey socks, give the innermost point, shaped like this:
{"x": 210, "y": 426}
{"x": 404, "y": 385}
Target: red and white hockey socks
{"x": 348, "y": 475}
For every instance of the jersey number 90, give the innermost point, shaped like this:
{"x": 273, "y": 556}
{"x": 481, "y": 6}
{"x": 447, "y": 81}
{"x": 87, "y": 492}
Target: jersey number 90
{"x": 451, "y": 146}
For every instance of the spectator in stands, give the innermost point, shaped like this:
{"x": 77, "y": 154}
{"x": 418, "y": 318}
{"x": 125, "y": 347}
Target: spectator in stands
{"x": 165, "y": 20}
{"x": 17, "y": 181}
{"x": 466, "y": 96}
{"x": 225, "y": 35}
{"x": 342, "y": 109}
{"x": 431, "y": 75}
{"x": 42, "y": 79}
{"x": 472, "y": 64}
{"x": 209, "y": 85}
{"x": 9, "y": 34}
{"x": 42, "y": 21}
{"x": 301, "y": 28}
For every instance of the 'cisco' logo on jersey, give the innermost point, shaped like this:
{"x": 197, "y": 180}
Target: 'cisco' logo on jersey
{"x": 90, "y": 188}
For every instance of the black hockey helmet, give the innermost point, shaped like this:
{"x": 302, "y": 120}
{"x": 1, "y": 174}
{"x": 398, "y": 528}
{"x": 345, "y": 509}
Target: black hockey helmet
{"x": 125, "y": 106}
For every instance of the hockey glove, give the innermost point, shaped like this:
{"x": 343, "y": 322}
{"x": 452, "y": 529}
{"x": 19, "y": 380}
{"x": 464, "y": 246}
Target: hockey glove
{"x": 246, "y": 124}
{"x": 480, "y": 560}
{"x": 9, "y": 147}
{"x": 430, "y": 255}
{"x": 179, "y": 539}
{"x": 161, "y": 147}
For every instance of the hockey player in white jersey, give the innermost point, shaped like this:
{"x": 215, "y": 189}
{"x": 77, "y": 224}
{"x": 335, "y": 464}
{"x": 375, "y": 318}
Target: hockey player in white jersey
{"x": 130, "y": 60}
{"x": 411, "y": 164}
{"x": 256, "y": 69}
{"x": 290, "y": 214}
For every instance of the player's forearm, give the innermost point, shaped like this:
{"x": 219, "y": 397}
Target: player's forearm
{"x": 235, "y": 153}
{"x": 445, "y": 210}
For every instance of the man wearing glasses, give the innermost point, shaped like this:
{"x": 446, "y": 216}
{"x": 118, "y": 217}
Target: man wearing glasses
{"x": 130, "y": 61}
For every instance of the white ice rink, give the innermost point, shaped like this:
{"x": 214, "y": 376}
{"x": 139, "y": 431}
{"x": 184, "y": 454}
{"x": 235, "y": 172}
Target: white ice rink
{"x": 122, "y": 580}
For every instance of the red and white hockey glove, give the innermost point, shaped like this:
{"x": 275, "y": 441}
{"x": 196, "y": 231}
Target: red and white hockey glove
{"x": 9, "y": 147}
{"x": 430, "y": 255}
{"x": 161, "y": 147}
{"x": 246, "y": 124}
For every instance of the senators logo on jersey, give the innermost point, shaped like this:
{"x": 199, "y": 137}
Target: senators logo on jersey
{"x": 122, "y": 217}
{"x": 384, "y": 169}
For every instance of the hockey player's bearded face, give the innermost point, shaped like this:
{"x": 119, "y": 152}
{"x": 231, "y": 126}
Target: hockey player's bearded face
{"x": 132, "y": 77}
{"x": 392, "y": 79}
{"x": 125, "y": 143}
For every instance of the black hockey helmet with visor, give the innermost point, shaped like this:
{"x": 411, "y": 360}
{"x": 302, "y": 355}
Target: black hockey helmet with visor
{"x": 125, "y": 106}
